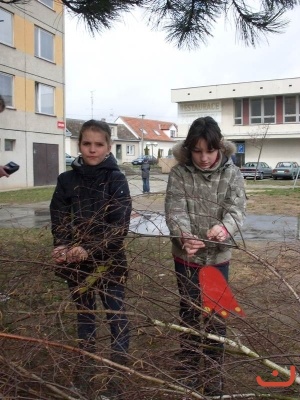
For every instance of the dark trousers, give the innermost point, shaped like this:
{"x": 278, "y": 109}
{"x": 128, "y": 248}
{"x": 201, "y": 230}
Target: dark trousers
{"x": 146, "y": 185}
{"x": 112, "y": 296}
{"x": 191, "y": 316}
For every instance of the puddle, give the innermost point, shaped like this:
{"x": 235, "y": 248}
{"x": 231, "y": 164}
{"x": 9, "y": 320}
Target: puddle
{"x": 256, "y": 227}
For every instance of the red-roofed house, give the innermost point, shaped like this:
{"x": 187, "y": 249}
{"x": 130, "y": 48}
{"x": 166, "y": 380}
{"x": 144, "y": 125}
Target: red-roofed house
{"x": 157, "y": 136}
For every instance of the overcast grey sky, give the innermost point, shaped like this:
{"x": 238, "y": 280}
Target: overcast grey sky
{"x": 130, "y": 70}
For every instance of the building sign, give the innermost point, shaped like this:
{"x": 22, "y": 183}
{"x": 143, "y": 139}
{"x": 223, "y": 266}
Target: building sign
{"x": 188, "y": 112}
{"x": 202, "y": 106}
{"x": 61, "y": 125}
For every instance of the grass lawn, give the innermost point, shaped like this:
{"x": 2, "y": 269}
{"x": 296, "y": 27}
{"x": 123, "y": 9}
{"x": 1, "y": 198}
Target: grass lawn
{"x": 25, "y": 196}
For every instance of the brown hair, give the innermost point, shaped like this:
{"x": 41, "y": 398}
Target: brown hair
{"x": 203, "y": 128}
{"x": 97, "y": 126}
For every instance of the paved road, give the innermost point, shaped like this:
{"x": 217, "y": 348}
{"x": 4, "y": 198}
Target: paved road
{"x": 256, "y": 227}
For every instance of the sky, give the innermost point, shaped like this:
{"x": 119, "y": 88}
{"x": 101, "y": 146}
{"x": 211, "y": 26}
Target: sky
{"x": 130, "y": 70}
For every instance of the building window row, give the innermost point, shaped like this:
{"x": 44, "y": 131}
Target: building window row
{"x": 44, "y": 94}
{"x": 267, "y": 110}
{"x": 43, "y": 40}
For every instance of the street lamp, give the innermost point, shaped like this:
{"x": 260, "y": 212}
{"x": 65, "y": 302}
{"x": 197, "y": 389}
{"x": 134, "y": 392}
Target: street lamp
{"x": 92, "y": 103}
{"x": 142, "y": 129}
{"x": 152, "y": 144}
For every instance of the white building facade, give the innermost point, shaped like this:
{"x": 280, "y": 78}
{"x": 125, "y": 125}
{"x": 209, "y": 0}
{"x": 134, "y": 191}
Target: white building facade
{"x": 260, "y": 116}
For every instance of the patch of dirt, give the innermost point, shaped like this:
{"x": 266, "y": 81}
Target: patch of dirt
{"x": 263, "y": 204}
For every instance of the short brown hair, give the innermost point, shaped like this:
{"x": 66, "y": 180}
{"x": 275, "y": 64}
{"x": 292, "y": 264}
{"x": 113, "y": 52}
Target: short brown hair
{"x": 97, "y": 126}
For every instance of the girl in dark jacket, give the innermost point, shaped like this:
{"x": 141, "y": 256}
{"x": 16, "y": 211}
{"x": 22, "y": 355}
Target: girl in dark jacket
{"x": 90, "y": 214}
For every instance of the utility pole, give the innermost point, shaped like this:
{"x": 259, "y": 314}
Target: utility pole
{"x": 142, "y": 125}
{"x": 92, "y": 103}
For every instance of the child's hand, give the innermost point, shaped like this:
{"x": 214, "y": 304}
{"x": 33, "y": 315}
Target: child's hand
{"x": 191, "y": 243}
{"x": 3, "y": 172}
{"x": 218, "y": 233}
{"x": 62, "y": 254}
{"x": 59, "y": 254}
{"x": 76, "y": 254}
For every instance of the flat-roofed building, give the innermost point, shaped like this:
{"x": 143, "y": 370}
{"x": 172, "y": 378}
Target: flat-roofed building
{"x": 258, "y": 115}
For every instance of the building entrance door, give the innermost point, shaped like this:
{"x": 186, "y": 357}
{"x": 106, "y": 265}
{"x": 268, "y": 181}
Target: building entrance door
{"x": 45, "y": 164}
{"x": 119, "y": 152}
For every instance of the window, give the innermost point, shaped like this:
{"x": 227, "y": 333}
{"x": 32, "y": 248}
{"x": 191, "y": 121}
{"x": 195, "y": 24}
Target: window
{"x": 6, "y": 88}
{"x": 291, "y": 109}
{"x": 9, "y": 144}
{"x": 44, "y": 99}
{"x": 48, "y": 3}
{"x": 262, "y": 110}
{"x": 44, "y": 44}
{"x": 130, "y": 150}
{"x": 6, "y": 28}
{"x": 269, "y": 110}
{"x": 255, "y": 111}
{"x": 172, "y": 133}
{"x": 238, "y": 112}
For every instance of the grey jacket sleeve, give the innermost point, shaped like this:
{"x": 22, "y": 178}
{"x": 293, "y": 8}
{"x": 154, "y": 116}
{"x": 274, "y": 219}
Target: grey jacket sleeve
{"x": 177, "y": 216}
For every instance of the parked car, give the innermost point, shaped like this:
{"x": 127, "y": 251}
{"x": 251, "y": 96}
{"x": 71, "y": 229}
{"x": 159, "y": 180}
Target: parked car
{"x": 69, "y": 159}
{"x": 139, "y": 161}
{"x": 260, "y": 170}
{"x": 286, "y": 169}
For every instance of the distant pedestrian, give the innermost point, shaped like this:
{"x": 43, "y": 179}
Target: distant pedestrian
{"x": 145, "y": 167}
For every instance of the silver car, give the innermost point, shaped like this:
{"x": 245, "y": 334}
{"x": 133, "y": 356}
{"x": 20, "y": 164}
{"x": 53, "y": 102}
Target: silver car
{"x": 286, "y": 169}
{"x": 260, "y": 170}
{"x": 69, "y": 159}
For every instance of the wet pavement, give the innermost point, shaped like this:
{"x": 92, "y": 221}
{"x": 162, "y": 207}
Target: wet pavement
{"x": 256, "y": 227}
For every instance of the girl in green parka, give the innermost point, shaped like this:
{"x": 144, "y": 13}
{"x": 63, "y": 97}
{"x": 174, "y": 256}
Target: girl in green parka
{"x": 205, "y": 199}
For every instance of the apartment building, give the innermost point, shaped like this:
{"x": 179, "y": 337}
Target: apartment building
{"x": 32, "y": 83}
{"x": 261, "y": 117}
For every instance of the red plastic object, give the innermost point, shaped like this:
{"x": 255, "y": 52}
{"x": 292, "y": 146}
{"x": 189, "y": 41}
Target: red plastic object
{"x": 216, "y": 293}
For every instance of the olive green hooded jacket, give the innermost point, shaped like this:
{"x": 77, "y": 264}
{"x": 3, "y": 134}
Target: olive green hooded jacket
{"x": 196, "y": 200}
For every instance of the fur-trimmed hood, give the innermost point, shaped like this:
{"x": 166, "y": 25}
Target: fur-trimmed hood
{"x": 181, "y": 154}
